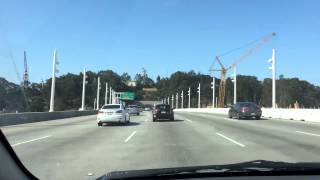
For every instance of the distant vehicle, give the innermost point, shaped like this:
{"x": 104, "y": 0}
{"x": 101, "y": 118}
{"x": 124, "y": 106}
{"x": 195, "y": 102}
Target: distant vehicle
{"x": 163, "y": 111}
{"x": 147, "y": 109}
{"x": 140, "y": 109}
{"x": 112, "y": 113}
{"x": 133, "y": 109}
{"x": 245, "y": 110}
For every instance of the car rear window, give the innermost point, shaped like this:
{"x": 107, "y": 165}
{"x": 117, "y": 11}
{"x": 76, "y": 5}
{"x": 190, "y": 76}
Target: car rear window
{"x": 163, "y": 107}
{"x": 132, "y": 106}
{"x": 248, "y": 105}
{"x": 111, "y": 107}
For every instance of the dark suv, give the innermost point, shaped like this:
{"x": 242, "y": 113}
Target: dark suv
{"x": 163, "y": 111}
{"x": 245, "y": 110}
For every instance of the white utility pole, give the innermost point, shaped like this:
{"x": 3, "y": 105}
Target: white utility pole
{"x": 199, "y": 96}
{"x": 189, "y": 94}
{"x": 172, "y": 99}
{"x": 98, "y": 93}
{"x": 234, "y": 85}
{"x": 94, "y": 103}
{"x": 106, "y": 95}
{"x": 177, "y": 100}
{"x": 168, "y": 100}
{"x": 213, "y": 91}
{"x": 53, "y": 81}
{"x": 110, "y": 95}
{"x": 273, "y": 68}
{"x": 84, "y": 82}
{"x": 216, "y": 101}
{"x": 115, "y": 99}
{"x": 182, "y": 99}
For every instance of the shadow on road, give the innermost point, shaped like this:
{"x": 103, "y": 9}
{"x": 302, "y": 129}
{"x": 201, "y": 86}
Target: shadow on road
{"x": 253, "y": 119}
{"x": 119, "y": 124}
{"x": 166, "y": 120}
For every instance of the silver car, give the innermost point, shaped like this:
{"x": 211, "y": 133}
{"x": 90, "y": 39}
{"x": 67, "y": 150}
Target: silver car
{"x": 133, "y": 109}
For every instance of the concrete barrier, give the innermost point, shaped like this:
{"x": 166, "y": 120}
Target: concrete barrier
{"x": 29, "y": 117}
{"x": 311, "y": 115}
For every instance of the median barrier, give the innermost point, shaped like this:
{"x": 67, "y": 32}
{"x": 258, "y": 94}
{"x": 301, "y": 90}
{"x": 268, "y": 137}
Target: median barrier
{"x": 29, "y": 117}
{"x": 311, "y": 115}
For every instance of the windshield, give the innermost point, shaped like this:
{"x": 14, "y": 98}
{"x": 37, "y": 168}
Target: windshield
{"x": 184, "y": 69}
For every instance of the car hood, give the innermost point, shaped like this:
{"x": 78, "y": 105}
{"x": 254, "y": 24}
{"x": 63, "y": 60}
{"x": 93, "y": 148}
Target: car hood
{"x": 257, "y": 167}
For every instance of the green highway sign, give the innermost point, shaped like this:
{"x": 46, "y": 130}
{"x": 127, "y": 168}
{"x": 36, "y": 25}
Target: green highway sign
{"x": 127, "y": 96}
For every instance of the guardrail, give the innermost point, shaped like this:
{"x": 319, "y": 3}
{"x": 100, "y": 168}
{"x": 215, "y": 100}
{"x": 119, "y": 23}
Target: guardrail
{"x": 312, "y": 115}
{"x": 29, "y": 117}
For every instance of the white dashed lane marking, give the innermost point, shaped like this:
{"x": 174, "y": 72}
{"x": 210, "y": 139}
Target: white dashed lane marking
{"x": 129, "y": 137}
{"x": 307, "y": 133}
{"x": 231, "y": 140}
{"x": 31, "y": 140}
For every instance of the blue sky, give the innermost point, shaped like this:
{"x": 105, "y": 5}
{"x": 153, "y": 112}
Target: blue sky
{"x": 162, "y": 36}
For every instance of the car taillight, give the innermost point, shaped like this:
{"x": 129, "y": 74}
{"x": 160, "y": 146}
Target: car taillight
{"x": 119, "y": 111}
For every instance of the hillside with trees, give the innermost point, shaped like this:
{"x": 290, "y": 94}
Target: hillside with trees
{"x": 36, "y": 97}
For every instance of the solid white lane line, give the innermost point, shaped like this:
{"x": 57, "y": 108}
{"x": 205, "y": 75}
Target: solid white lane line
{"x": 23, "y": 142}
{"x": 311, "y": 134}
{"x": 235, "y": 142}
{"x": 131, "y": 135}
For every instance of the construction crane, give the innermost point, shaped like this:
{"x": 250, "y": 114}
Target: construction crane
{"x": 223, "y": 70}
{"x": 25, "y": 82}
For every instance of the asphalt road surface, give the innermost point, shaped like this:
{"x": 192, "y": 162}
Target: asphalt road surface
{"x": 75, "y": 147}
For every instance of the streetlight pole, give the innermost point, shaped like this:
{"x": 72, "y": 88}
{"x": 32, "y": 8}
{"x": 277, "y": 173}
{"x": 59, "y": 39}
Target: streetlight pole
{"x": 199, "y": 96}
{"x": 172, "y": 99}
{"x": 83, "y": 89}
{"x": 110, "y": 95}
{"x": 189, "y": 94}
{"x": 177, "y": 100}
{"x": 213, "y": 91}
{"x": 273, "y": 68}
{"x": 114, "y": 98}
{"x": 106, "y": 95}
{"x": 98, "y": 93}
{"x": 182, "y": 99}
{"x": 53, "y": 80}
{"x": 234, "y": 85}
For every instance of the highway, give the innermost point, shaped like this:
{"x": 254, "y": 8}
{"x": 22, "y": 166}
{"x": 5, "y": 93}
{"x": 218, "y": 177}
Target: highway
{"x": 74, "y": 147}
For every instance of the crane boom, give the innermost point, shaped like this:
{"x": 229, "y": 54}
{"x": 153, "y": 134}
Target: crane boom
{"x": 250, "y": 51}
{"x": 222, "y": 87}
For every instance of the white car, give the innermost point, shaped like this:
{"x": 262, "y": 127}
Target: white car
{"x": 112, "y": 113}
